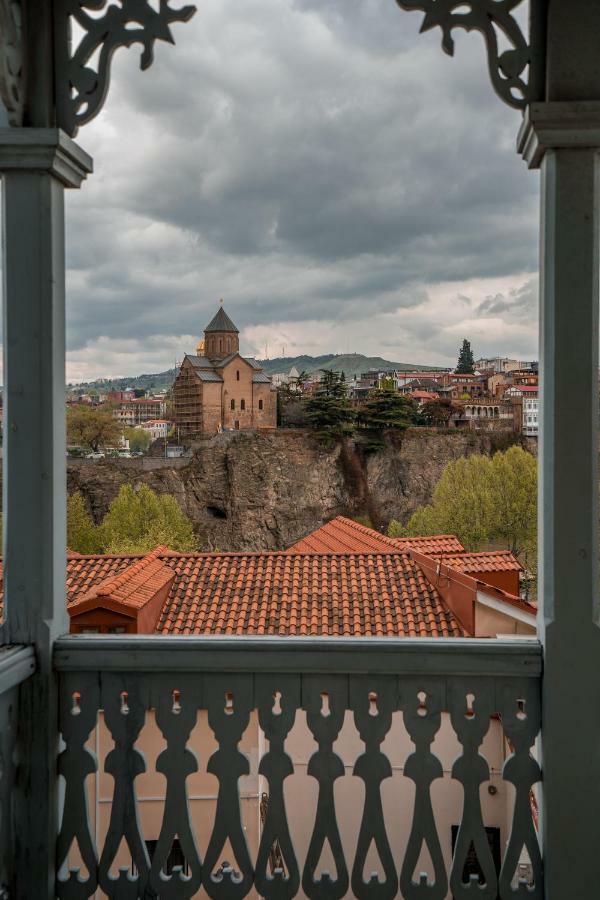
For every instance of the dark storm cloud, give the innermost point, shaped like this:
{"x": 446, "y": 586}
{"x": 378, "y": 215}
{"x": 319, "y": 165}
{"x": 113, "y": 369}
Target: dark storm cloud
{"x": 306, "y": 160}
{"x": 519, "y": 303}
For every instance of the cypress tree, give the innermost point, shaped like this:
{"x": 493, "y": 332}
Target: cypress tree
{"x": 466, "y": 362}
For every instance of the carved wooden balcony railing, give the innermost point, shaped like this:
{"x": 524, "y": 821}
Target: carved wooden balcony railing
{"x": 16, "y": 665}
{"x": 466, "y": 689}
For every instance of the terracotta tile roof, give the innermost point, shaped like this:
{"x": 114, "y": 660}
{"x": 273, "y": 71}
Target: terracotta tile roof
{"x": 432, "y": 544}
{"x": 424, "y": 395}
{"x": 489, "y": 561}
{"x": 342, "y": 535}
{"x": 304, "y": 594}
{"x": 280, "y": 593}
{"x": 133, "y": 586}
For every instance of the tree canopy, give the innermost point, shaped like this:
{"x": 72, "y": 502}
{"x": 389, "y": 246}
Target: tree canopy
{"x": 483, "y": 500}
{"x": 138, "y": 438}
{"x": 437, "y": 412}
{"x": 83, "y": 536}
{"x": 139, "y": 520}
{"x": 328, "y": 410}
{"x": 386, "y": 408}
{"x": 93, "y": 427}
{"x": 466, "y": 361}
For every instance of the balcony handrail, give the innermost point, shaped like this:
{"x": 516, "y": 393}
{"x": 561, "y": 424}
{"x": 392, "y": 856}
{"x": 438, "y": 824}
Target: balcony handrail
{"x": 345, "y": 655}
{"x": 17, "y": 663}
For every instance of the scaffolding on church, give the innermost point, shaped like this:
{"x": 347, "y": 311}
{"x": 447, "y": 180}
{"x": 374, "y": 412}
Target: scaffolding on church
{"x": 187, "y": 402}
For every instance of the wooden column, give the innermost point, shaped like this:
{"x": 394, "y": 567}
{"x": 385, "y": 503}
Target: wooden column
{"x": 562, "y": 136}
{"x": 36, "y": 166}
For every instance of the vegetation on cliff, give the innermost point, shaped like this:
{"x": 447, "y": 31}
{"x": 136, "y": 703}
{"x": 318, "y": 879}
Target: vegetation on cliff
{"x": 483, "y": 500}
{"x": 92, "y": 427}
{"x": 137, "y": 521}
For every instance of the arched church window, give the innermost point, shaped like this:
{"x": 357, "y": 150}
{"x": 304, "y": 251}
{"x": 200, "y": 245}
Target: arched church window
{"x": 242, "y": 404}
{"x": 233, "y": 404}
{"x": 220, "y": 345}
{"x": 229, "y": 345}
{"x": 260, "y": 404}
{"x": 237, "y": 375}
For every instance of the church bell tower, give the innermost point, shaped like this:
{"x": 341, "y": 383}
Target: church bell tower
{"x": 221, "y": 337}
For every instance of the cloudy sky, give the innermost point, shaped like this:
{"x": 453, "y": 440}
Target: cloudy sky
{"x": 343, "y": 184}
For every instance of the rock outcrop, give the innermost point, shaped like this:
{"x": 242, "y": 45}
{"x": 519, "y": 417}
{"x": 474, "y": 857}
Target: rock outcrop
{"x": 250, "y": 491}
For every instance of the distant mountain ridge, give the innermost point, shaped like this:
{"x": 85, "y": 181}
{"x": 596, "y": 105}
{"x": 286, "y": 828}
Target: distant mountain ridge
{"x": 350, "y": 363}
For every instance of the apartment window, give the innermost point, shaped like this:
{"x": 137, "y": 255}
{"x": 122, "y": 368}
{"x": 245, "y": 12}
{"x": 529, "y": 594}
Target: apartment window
{"x": 242, "y": 404}
{"x": 233, "y": 404}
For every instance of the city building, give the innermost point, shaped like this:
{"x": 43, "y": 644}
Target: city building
{"x": 217, "y": 389}
{"x": 492, "y": 414}
{"x": 499, "y": 364}
{"x": 156, "y": 428}
{"x": 279, "y": 379}
{"x": 141, "y": 409}
{"x": 528, "y": 396}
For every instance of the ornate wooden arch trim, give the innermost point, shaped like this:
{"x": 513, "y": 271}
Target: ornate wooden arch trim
{"x": 516, "y": 73}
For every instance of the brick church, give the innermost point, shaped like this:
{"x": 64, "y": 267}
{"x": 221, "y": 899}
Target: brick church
{"x": 220, "y": 390}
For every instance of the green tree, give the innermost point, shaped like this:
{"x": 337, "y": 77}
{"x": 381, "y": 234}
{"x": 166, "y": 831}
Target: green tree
{"x": 138, "y": 438}
{"x": 466, "y": 362}
{"x": 328, "y": 411}
{"x": 396, "y": 529}
{"x": 387, "y": 408}
{"x": 83, "y": 536}
{"x": 437, "y": 413}
{"x": 139, "y": 520}
{"x": 513, "y": 486}
{"x": 484, "y": 500}
{"x": 92, "y": 427}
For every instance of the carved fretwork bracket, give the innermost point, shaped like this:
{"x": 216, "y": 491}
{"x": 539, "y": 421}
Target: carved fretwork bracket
{"x": 493, "y": 18}
{"x": 83, "y": 63}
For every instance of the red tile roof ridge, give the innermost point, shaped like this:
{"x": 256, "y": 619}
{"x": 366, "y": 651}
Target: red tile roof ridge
{"x": 343, "y": 532}
{"x": 253, "y": 554}
{"x": 425, "y": 537}
{"x": 481, "y": 560}
{"x": 150, "y": 564}
{"x": 512, "y": 599}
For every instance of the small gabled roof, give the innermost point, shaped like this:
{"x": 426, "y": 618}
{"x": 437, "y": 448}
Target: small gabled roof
{"x": 221, "y": 363}
{"x": 199, "y": 362}
{"x": 261, "y": 378}
{"x": 221, "y": 322}
{"x": 208, "y": 375}
{"x": 129, "y": 590}
{"x": 343, "y": 535}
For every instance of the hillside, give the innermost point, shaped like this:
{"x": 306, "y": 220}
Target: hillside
{"x": 349, "y": 363}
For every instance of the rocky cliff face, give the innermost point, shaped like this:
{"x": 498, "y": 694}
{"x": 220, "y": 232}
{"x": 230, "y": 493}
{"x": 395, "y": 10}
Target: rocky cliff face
{"x": 248, "y": 491}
